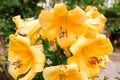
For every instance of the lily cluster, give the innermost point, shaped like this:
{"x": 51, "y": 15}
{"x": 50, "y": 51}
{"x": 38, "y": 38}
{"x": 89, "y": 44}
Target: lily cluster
{"x": 75, "y": 35}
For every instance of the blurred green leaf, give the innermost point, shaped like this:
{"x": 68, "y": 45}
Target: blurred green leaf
{"x": 38, "y": 76}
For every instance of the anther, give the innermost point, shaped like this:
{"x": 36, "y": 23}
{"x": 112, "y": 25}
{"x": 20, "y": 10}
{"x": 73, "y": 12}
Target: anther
{"x": 17, "y": 64}
{"x": 62, "y": 32}
{"x": 94, "y": 60}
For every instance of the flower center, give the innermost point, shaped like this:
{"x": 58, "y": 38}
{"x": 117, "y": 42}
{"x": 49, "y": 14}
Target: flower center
{"x": 62, "y": 32}
{"x": 94, "y": 60}
{"x": 17, "y": 64}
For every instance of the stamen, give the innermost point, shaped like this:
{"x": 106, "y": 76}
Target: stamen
{"x": 62, "y": 32}
{"x": 94, "y": 60}
{"x": 17, "y": 64}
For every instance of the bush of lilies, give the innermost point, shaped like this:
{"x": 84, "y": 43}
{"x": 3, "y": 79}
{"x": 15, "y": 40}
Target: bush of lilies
{"x": 60, "y": 45}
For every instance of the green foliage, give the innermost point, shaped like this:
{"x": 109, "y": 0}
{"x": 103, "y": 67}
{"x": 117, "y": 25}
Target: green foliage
{"x": 112, "y": 15}
{"x": 57, "y": 57}
{"x": 38, "y": 76}
{"x": 116, "y": 29}
{"x": 83, "y": 3}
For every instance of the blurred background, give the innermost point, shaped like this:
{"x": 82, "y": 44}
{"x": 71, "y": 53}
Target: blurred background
{"x": 32, "y": 8}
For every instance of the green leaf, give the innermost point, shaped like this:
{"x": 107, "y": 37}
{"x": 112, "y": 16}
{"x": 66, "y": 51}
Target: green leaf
{"x": 46, "y": 43}
{"x": 57, "y": 57}
{"x": 38, "y": 39}
{"x": 22, "y": 75}
{"x": 38, "y": 76}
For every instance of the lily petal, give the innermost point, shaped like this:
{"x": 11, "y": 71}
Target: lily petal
{"x": 76, "y": 16}
{"x": 50, "y": 33}
{"x": 60, "y": 9}
{"x": 101, "y": 46}
{"x": 64, "y": 72}
{"x": 46, "y": 19}
{"x": 80, "y": 43}
{"x": 92, "y": 11}
{"x": 38, "y": 57}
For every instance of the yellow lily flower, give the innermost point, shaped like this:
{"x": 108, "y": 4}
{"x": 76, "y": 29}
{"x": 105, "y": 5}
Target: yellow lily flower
{"x": 89, "y": 54}
{"x": 87, "y": 64}
{"x": 63, "y": 25}
{"x": 23, "y": 57}
{"x": 95, "y": 19}
{"x": 28, "y": 27}
{"x": 64, "y": 72}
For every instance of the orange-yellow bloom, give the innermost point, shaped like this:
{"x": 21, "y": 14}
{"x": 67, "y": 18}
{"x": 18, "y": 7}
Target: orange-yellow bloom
{"x": 90, "y": 65}
{"x": 95, "y": 19}
{"x": 64, "y": 72}
{"x": 29, "y": 28}
{"x": 63, "y": 25}
{"x": 23, "y": 57}
{"x": 87, "y": 64}
{"x": 89, "y": 54}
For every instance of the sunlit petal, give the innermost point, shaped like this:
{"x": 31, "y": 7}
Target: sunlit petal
{"x": 76, "y": 16}
{"x": 60, "y": 9}
{"x": 64, "y": 72}
{"x": 80, "y": 43}
{"x": 92, "y": 11}
{"x": 50, "y": 33}
{"x": 38, "y": 58}
{"x": 47, "y": 19}
{"x": 101, "y": 46}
